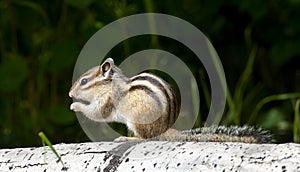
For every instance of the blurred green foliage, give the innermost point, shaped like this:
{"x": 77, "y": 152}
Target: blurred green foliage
{"x": 257, "y": 41}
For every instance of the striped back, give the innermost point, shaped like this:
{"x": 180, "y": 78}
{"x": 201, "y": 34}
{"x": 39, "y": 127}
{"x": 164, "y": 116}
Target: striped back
{"x": 160, "y": 90}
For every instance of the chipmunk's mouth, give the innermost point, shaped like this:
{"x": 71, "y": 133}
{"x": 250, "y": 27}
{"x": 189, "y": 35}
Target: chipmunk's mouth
{"x": 81, "y": 101}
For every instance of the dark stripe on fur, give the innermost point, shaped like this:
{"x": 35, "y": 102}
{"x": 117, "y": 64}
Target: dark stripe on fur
{"x": 161, "y": 87}
{"x": 148, "y": 91}
{"x": 102, "y": 82}
{"x": 175, "y": 107}
{"x": 107, "y": 108}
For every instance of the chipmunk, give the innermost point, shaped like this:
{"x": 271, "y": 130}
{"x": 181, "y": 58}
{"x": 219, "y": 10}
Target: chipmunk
{"x": 147, "y": 105}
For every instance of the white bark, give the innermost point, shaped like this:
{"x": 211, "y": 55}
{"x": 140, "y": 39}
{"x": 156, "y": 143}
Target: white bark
{"x": 154, "y": 156}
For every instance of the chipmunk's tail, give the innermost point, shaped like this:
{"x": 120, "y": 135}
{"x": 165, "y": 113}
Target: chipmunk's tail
{"x": 246, "y": 134}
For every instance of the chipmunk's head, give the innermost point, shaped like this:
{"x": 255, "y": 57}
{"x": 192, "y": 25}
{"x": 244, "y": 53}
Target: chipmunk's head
{"x": 93, "y": 89}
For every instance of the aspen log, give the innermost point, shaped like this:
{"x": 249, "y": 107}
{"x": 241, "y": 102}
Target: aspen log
{"x": 154, "y": 156}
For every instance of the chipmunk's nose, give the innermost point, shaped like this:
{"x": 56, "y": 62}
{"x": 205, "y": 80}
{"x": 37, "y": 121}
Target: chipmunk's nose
{"x": 71, "y": 93}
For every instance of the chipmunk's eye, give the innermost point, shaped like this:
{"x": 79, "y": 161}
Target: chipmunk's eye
{"x": 84, "y": 81}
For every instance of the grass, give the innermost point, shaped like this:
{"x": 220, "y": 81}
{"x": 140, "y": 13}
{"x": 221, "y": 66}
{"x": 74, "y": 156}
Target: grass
{"x": 238, "y": 103}
{"x": 45, "y": 140}
{"x": 235, "y": 102}
{"x": 285, "y": 96}
{"x": 296, "y": 128}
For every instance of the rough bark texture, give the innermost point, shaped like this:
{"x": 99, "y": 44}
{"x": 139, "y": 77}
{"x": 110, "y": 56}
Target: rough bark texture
{"x": 154, "y": 156}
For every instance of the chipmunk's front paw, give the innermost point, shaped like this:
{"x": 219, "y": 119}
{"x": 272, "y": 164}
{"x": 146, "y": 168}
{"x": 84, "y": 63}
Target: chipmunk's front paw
{"x": 125, "y": 139}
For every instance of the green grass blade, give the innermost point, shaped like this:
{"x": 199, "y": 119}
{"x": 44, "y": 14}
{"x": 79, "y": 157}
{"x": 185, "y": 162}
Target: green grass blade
{"x": 268, "y": 99}
{"x": 220, "y": 72}
{"x": 46, "y": 140}
{"x": 296, "y": 132}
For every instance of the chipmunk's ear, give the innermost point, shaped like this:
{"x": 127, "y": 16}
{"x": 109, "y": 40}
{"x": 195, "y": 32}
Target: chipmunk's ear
{"x": 106, "y": 66}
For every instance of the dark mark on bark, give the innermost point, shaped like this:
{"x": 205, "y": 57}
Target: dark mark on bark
{"x": 117, "y": 155}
